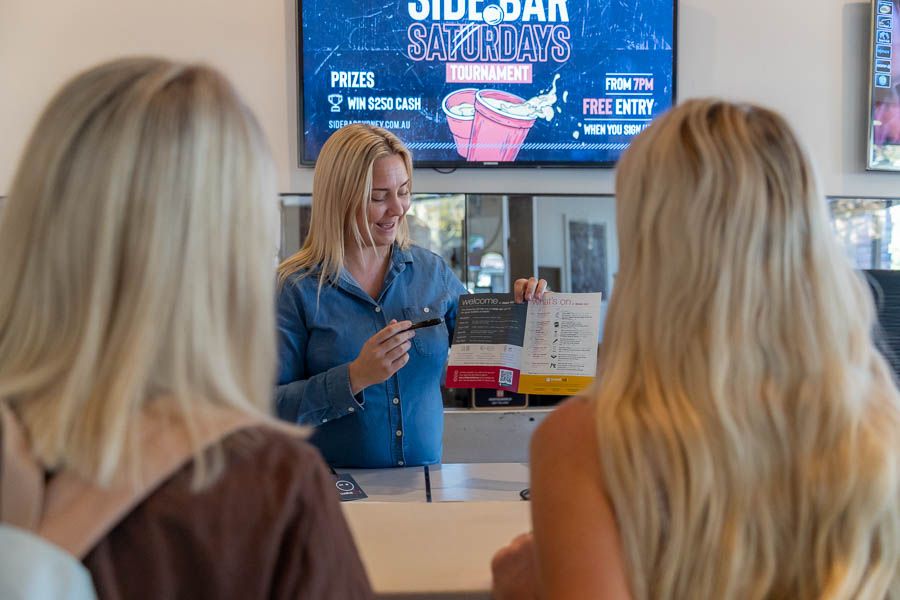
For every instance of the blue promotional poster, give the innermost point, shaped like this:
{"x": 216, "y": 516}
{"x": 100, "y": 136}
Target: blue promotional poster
{"x": 487, "y": 82}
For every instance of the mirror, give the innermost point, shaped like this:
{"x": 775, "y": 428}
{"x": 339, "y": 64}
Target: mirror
{"x": 490, "y": 240}
{"x": 865, "y": 228}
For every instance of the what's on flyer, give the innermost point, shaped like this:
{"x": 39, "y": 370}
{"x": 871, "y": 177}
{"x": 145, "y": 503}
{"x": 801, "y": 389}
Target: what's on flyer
{"x": 544, "y": 347}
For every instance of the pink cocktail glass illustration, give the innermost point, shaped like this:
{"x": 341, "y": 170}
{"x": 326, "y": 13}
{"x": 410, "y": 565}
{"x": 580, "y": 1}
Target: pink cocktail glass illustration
{"x": 459, "y": 106}
{"x": 498, "y": 132}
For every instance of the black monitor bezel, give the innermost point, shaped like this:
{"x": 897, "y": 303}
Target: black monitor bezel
{"x": 303, "y": 161}
{"x": 870, "y": 121}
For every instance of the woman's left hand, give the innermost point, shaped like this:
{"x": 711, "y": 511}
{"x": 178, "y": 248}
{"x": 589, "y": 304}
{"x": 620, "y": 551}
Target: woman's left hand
{"x": 514, "y": 570}
{"x": 529, "y": 289}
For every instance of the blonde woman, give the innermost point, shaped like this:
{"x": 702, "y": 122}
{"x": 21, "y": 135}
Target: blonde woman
{"x": 350, "y": 364}
{"x": 744, "y": 438}
{"x": 135, "y": 282}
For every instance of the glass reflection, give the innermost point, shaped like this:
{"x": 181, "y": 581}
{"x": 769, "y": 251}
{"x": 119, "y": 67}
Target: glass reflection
{"x": 865, "y": 228}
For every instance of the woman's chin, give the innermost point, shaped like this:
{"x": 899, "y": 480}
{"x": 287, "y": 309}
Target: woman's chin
{"x": 384, "y": 238}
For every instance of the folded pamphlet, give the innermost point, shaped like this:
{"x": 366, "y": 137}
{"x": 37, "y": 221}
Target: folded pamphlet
{"x": 544, "y": 347}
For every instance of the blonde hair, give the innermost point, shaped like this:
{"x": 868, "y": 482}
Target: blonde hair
{"x": 342, "y": 188}
{"x": 135, "y": 253}
{"x": 748, "y": 428}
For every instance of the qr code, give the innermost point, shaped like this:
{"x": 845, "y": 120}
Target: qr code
{"x": 506, "y": 377}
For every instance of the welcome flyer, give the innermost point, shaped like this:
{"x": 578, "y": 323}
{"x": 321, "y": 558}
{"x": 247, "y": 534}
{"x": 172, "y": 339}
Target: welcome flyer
{"x": 546, "y": 347}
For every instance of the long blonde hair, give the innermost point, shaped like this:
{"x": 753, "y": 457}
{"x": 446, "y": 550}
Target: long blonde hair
{"x": 342, "y": 187}
{"x": 135, "y": 257}
{"x": 748, "y": 428}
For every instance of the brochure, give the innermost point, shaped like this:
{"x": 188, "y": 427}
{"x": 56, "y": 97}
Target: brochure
{"x": 546, "y": 347}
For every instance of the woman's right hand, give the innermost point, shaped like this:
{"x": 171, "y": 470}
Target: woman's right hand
{"x": 381, "y": 356}
{"x": 514, "y": 569}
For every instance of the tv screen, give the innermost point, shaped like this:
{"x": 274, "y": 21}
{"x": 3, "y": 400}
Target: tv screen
{"x": 884, "y": 110}
{"x": 487, "y": 82}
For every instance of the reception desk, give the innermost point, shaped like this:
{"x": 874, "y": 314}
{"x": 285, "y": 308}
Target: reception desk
{"x": 434, "y": 536}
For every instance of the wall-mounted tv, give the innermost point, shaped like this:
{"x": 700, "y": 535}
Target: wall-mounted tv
{"x": 884, "y": 88}
{"x": 487, "y": 82}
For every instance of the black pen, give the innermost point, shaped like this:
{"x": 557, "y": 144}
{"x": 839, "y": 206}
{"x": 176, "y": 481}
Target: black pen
{"x": 428, "y": 323}
{"x": 427, "y": 484}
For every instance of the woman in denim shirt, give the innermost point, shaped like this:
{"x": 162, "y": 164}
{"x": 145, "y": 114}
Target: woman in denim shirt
{"x": 349, "y": 365}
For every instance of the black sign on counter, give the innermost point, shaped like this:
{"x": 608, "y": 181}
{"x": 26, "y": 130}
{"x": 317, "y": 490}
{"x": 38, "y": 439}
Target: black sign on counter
{"x": 347, "y": 487}
{"x": 483, "y": 398}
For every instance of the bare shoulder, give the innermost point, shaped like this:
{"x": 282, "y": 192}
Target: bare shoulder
{"x": 576, "y": 534}
{"x": 570, "y": 430}
{"x": 565, "y": 454}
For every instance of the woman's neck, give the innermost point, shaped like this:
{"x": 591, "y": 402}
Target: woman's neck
{"x": 368, "y": 267}
{"x": 367, "y": 258}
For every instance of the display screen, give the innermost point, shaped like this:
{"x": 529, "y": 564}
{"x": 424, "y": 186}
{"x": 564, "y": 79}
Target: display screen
{"x": 884, "y": 115}
{"x": 487, "y": 82}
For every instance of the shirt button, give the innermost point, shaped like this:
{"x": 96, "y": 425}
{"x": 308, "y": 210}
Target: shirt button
{"x": 399, "y": 433}
{"x": 396, "y": 400}
{"x": 377, "y": 309}
{"x": 426, "y": 309}
{"x": 399, "y": 463}
{"x": 351, "y": 409}
{"x": 324, "y": 420}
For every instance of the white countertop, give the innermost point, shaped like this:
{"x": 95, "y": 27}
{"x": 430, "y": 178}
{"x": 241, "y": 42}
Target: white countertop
{"x": 481, "y": 482}
{"x": 442, "y": 548}
{"x": 390, "y": 485}
{"x": 476, "y": 482}
{"x": 433, "y": 550}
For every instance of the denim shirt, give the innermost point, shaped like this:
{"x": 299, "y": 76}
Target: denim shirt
{"x": 394, "y": 423}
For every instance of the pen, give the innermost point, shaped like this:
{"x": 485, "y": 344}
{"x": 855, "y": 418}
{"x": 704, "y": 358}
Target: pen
{"x": 428, "y": 323}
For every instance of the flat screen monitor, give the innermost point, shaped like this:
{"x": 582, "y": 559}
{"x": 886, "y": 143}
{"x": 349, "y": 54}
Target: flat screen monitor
{"x": 487, "y": 82}
{"x": 884, "y": 88}
{"x": 885, "y": 287}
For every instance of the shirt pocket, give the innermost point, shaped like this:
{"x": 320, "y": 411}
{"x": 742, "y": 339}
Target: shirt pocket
{"x": 429, "y": 340}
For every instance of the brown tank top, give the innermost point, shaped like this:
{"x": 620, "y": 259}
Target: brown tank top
{"x": 269, "y": 527}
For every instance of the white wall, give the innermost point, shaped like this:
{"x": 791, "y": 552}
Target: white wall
{"x": 44, "y": 43}
{"x": 806, "y": 58}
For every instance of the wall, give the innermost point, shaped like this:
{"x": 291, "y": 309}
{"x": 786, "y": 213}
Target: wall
{"x": 44, "y": 43}
{"x": 806, "y": 58}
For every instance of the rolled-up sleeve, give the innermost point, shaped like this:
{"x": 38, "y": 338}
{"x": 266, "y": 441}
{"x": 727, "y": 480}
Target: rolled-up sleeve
{"x": 299, "y": 398}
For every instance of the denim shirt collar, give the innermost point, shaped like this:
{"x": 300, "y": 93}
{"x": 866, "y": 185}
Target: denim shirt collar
{"x": 399, "y": 259}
